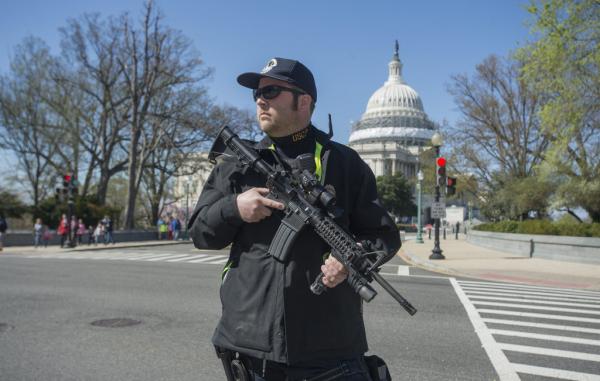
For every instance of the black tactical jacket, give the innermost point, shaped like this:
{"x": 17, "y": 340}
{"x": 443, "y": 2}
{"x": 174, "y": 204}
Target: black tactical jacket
{"x": 269, "y": 311}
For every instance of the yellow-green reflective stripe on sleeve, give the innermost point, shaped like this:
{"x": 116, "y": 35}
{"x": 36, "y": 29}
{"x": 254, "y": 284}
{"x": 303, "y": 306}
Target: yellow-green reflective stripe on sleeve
{"x": 225, "y": 269}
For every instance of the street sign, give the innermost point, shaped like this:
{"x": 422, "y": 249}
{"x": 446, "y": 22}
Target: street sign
{"x": 438, "y": 210}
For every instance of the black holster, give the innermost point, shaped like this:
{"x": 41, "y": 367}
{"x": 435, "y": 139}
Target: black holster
{"x": 378, "y": 369}
{"x": 235, "y": 369}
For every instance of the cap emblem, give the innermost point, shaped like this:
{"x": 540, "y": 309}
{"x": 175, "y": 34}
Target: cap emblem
{"x": 270, "y": 65}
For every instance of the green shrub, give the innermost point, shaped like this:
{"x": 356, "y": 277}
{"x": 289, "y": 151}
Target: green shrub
{"x": 545, "y": 227}
{"x": 499, "y": 227}
{"x": 537, "y": 227}
{"x": 594, "y": 230}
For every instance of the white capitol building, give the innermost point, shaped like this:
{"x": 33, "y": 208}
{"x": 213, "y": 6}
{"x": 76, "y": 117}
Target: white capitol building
{"x": 394, "y": 128}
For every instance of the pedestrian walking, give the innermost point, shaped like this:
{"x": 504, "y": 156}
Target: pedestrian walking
{"x": 63, "y": 230}
{"x": 159, "y": 225}
{"x": 108, "y": 230}
{"x": 428, "y": 228}
{"x": 90, "y": 232}
{"x": 38, "y": 230}
{"x": 98, "y": 234}
{"x": 46, "y": 235}
{"x": 3, "y": 229}
{"x": 272, "y": 326}
{"x": 163, "y": 230}
{"x": 176, "y": 228}
{"x": 170, "y": 229}
{"x": 80, "y": 231}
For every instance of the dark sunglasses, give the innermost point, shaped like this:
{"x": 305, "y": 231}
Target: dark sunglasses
{"x": 273, "y": 91}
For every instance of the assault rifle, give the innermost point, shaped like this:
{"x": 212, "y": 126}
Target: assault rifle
{"x": 308, "y": 203}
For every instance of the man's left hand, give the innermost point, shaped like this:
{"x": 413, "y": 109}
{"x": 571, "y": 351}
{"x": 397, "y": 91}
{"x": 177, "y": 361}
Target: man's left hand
{"x": 334, "y": 272}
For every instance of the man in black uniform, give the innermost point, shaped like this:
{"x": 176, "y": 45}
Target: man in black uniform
{"x": 282, "y": 330}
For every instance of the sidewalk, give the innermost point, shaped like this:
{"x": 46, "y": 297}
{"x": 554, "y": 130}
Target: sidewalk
{"x": 52, "y": 249}
{"x": 467, "y": 260}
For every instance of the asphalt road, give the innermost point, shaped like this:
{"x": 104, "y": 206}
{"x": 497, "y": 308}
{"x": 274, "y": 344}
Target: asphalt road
{"x": 48, "y": 304}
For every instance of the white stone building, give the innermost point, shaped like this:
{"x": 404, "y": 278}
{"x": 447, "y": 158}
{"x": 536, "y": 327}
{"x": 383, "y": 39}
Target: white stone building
{"x": 187, "y": 188}
{"x": 394, "y": 128}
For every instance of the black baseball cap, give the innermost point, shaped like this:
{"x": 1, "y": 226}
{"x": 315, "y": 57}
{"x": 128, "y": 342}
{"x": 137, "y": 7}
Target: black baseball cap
{"x": 283, "y": 69}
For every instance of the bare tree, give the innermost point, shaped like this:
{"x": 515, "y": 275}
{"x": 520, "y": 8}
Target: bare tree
{"x": 154, "y": 59}
{"x": 499, "y": 138}
{"x": 24, "y": 117}
{"x": 122, "y": 98}
{"x": 98, "y": 105}
{"x": 190, "y": 130}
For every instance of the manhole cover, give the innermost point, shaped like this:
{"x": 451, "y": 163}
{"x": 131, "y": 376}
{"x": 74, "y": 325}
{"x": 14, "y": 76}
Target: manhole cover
{"x": 116, "y": 322}
{"x": 5, "y": 327}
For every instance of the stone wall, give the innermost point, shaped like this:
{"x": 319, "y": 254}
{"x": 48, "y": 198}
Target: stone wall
{"x": 560, "y": 248}
{"x": 13, "y": 238}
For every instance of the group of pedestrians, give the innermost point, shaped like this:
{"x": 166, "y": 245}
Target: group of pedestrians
{"x": 74, "y": 232}
{"x": 168, "y": 228}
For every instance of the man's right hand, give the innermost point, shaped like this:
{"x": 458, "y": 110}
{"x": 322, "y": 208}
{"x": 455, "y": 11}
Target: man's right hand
{"x": 254, "y": 206}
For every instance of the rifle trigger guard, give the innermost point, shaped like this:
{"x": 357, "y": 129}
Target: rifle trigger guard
{"x": 380, "y": 260}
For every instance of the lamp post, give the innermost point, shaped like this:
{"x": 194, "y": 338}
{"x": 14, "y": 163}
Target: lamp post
{"x": 436, "y": 253}
{"x": 187, "y": 206}
{"x": 419, "y": 222}
{"x": 470, "y": 205}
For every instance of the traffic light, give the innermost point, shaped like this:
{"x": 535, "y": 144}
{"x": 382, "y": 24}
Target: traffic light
{"x": 70, "y": 184}
{"x": 66, "y": 180}
{"x": 451, "y": 186}
{"x": 440, "y": 163}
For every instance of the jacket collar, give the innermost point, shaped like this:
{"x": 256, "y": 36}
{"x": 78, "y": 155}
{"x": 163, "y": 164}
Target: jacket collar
{"x": 321, "y": 137}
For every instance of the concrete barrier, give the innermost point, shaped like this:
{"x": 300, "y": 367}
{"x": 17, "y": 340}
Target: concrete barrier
{"x": 560, "y": 248}
{"x": 20, "y": 238}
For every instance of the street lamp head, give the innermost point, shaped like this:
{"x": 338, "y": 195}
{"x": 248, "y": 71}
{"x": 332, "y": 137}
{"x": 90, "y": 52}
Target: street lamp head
{"x": 437, "y": 139}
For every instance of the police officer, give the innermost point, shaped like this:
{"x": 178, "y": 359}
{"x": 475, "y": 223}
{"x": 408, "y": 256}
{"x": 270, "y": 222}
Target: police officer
{"x": 271, "y": 321}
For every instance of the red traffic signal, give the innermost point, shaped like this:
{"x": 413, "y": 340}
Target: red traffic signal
{"x": 66, "y": 180}
{"x": 440, "y": 171}
{"x": 69, "y": 181}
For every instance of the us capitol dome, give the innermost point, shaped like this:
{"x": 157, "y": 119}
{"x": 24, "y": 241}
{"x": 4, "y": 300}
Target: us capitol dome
{"x": 394, "y": 128}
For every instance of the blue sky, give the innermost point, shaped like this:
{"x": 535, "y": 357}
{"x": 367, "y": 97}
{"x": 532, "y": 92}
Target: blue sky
{"x": 347, "y": 44}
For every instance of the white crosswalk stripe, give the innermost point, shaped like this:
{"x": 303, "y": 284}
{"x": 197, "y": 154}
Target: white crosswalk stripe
{"x": 167, "y": 257}
{"x": 206, "y": 259}
{"x": 523, "y": 328}
{"x": 220, "y": 261}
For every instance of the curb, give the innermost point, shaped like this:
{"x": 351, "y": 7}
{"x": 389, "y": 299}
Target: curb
{"x": 426, "y": 265}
